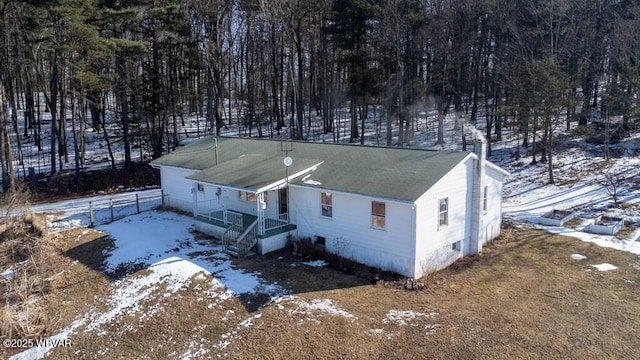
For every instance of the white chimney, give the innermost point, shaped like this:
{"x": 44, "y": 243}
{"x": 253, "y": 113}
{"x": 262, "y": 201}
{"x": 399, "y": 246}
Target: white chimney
{"x": 477, "y": 210}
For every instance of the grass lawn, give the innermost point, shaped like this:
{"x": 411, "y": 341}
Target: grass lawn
{"x": 523, "y": 297}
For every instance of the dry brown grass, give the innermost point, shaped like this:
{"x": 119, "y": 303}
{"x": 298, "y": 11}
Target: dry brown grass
{"x": 626, "y": 231}
{"x": 524, "y": 297}
{"x": 30, "y": 252}
{"x": 573, "y": 223}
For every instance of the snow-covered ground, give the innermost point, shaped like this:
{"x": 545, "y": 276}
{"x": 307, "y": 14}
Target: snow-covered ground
{"x": 585, "y": 188}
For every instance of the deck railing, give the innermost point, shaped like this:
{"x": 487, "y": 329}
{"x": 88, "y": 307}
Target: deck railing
{"x": 205, "y": 210}
{"x": 248, "y": 239}
{"x": 274, "y": 223}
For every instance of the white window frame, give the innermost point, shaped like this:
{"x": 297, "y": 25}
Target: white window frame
{"x": 378, "y": 220}
{"x": 456, "y": 246}
{"x": 443, "y": 213}
{"x": 326, "y": 204}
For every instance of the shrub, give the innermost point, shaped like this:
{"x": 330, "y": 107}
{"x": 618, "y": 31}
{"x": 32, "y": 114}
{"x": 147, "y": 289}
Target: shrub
{"x": 583, "y": 131}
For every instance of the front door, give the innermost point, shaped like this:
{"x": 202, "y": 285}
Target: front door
{"x": 283, "y": 201}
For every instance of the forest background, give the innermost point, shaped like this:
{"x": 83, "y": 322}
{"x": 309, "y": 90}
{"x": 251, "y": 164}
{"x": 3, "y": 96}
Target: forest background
{"x": 135, "y": 71}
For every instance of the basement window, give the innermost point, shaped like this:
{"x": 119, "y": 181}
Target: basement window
{"x": 378, "y": 214}
{"x": 443, "y": 212}
{"x": 456, "y": 246}
{"x": 321, "y": 240}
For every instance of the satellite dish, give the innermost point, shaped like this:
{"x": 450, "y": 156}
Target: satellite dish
{"x": 288, "y": 161}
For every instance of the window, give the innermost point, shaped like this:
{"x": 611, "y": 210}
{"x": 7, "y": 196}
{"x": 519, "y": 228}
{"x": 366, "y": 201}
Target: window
{"x": 378, "y": 214}
{"x": 327, "y": 204}
{"x": 456, "y": 246}
{"x": 251, "y": 197}
{"x": 484, "y": 198}
{"x": 443, "y": 212}
{"x": 320, "y": 240}
{"x": 200, "y": 187}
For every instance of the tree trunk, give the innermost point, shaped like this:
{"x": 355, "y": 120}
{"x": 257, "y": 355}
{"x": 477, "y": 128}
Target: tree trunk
{"x": 6, "y": 157}
{"x": 124, "y": 108}
{"x": 300, "y": 87}
{"x": 353, "y": 109}
{"x": 53, "y": 99}
{"x": 74, "y": 129}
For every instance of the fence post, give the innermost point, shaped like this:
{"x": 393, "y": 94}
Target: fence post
{"x": 137, "y": 204}
{"x": 90, "y": 214}
{"x": 111, "y": 208}
{"x": 162, "y": 196}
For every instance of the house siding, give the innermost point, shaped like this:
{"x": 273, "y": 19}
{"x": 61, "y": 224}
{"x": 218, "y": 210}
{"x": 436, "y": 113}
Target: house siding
{"x": 433, "y": 247}
{"x": 349, "y": 232}
{"x": 493, "y": 217}
{"x": 176, "y": 189}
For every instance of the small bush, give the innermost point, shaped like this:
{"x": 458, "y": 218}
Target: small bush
{"x": 583, "y": 131}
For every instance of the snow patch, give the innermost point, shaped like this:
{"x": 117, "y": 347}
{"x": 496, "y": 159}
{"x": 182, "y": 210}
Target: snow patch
{"x": 8, "y": 274}
{"x": 403, "y": 318}
{"x": 316, "y": 263}
{"x": 57, "y": 226}
{"x": 578, "y": 257}
{"x": 316, "y": 305}
{"x": 605, "y": 267}
{"x": 380, "y": 332}
{"x": 308, "y": 181}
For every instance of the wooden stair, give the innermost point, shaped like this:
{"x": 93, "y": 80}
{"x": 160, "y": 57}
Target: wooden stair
{"x": 238, "y": 241}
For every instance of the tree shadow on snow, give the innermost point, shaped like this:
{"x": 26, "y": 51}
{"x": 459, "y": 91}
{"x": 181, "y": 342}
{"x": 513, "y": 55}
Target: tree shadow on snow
{"x": 94, "y": 254}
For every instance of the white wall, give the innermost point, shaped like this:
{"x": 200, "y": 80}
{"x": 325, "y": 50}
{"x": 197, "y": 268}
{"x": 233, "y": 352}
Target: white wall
{"x": 176, "y": 187}
{"x": 433, "y": 242}
{"x": 230, "y": 198}
{"x": 349, "y": 232}
{"x": 276, "y": 242}
{"x": 492, "y": 220}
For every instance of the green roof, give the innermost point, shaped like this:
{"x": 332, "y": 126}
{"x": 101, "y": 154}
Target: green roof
{"x": 252, "y": 171}
{"x": 387, "y": 172}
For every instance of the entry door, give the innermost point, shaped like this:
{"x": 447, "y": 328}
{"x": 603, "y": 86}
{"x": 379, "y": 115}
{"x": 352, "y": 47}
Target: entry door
{"x": 283, "y": 202}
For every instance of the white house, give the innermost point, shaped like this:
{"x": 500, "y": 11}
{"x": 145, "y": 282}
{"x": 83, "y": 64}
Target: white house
{"x": 410, "y": 211}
